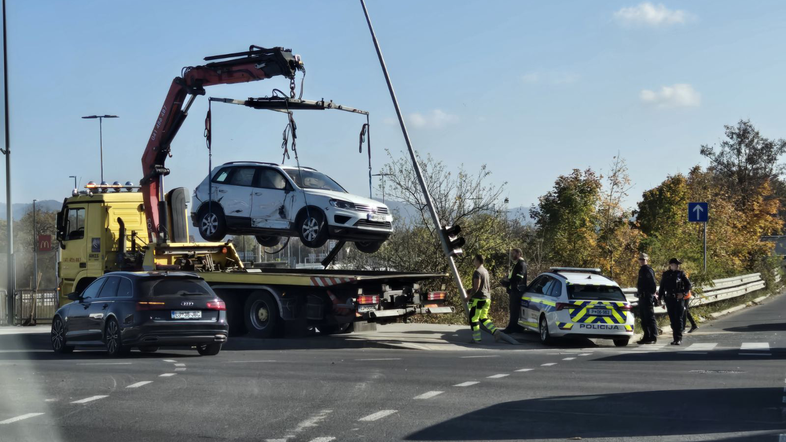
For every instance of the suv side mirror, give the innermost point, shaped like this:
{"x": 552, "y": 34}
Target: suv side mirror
{"x": 74, "y": 296}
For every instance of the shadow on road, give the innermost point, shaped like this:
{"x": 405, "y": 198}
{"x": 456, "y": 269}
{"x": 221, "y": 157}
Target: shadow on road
{"x": 775, "y": 326}
{"x": 682, "y": 356}
{"x": 656, "y": 413}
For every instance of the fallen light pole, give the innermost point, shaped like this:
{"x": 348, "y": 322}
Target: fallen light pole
{"x": 450, "y": 246}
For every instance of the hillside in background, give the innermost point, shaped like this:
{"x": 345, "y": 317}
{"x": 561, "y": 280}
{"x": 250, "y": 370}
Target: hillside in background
{"x": 19, "y": 209}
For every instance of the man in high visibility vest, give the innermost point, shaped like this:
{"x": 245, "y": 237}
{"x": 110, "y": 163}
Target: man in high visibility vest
{"x": 480, "y": 302}
{"x": 513, "y": 282}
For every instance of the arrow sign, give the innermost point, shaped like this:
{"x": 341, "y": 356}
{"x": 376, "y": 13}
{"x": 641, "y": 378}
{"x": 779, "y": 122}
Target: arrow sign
{"x": 698, "y": 212}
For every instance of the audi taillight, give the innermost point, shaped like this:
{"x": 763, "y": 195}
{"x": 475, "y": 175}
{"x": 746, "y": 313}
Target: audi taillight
{"x": 436, "y": 296}
{"x": 368, "y": 299}
{"x": 216, "y": 305}
{"x": 149, "y": 305}
{"x": 566, "y": 305}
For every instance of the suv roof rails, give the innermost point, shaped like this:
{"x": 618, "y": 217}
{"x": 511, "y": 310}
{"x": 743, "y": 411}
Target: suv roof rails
{"x": 595, "y": 271}
{"x": 250, "y": 162}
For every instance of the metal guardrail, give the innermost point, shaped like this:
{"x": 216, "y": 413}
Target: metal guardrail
{"x": 39, "y": 307}
{"x": 3, "y": 308}
{"x": 721, "y": 289}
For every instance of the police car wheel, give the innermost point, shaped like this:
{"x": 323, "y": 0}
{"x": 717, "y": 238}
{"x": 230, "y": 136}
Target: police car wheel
{"x": 543, "y": 329}
{"x": 621, "y": 342}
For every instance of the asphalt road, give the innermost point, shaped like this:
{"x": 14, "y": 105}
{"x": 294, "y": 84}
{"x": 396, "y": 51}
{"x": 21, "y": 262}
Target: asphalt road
{"x": 727, "y": 382}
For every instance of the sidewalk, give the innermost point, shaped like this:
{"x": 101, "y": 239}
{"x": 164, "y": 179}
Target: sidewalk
{"x": 18, "y": 330}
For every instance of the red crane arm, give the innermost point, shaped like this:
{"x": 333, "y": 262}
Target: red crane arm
{"x": 241, "y": 67}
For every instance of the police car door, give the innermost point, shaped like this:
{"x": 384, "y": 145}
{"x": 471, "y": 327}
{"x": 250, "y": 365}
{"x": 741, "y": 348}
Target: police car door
{"x": 530, "y": 302}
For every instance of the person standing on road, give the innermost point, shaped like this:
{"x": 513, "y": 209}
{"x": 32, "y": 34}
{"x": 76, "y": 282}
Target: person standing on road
{"x": 480, "y": 301}
{"x": 646, "y": 288}
{"x": 517, "y": 278}
{"x": 674, "y": 285}
{"x": 687, "y": 316}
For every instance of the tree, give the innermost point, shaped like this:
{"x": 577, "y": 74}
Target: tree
{"x": 568, "y": 217}
{"x": 745, "y": 160}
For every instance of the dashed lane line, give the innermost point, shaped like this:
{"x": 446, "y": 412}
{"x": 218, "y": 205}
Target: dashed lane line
{"x": 106, "y": 363}
{"x": 180, "y": 369}
{"x": 249, "y": 362}
{"x": 180, "y": 365}
{"x": 166, "y": 375}
{"x": 568, "y": 359}
{"x": 139, "y": 384}
{"x": 428, "y": 395}
{"x": 323, "y": 439}
{"x": 585, "y": 354}
{"x": 379, "y": 359}
{"x": 378, "y": 415}
{"x": 523, "y": 370}
{"x": 467, "y": 384}
{"x": 19, "y": 418}
{"x": 90, "y": 399}
{"x": 479, "y": 356}
{"x": 169, "y": 360}
{"x": 498, "y": 376}
{"x": 548, "y": 364}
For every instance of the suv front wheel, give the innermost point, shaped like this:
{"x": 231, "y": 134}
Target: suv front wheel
{"x": 312, "y": 228}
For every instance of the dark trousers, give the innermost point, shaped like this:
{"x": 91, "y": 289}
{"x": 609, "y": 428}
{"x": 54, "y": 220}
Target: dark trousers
{"x": 676, "y": 309}
{"x": 514, "y": 305}
{"x": 647, "y": 317}
{"x": 687, "y": 316}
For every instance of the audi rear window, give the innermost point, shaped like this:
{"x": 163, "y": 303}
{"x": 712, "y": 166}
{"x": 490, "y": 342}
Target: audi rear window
{"x": 175, "y": 287}
{"x": 595, "y": 292}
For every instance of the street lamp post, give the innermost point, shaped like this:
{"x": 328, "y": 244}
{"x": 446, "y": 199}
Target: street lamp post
{"x": 74, "y": 177}
{"x": 100, "y": 136}
{"x": 382, "y": 176}
{"x": 35, "y": 249}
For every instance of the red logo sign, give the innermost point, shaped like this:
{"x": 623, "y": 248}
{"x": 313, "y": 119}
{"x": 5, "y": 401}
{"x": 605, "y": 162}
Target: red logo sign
{"x": 44, "y": 243}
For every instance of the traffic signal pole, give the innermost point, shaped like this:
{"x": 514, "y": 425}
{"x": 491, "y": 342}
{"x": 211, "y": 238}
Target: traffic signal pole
{"x": 443, "y": 236}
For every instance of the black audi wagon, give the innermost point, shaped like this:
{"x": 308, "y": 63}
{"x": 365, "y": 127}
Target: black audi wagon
{"x": 146, "y": 310}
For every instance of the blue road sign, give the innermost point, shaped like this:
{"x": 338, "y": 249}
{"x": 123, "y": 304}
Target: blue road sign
{"x": 698, "y": 212}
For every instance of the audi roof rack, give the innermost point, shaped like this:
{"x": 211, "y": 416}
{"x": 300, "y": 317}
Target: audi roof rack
{"x": 575, "y": 270}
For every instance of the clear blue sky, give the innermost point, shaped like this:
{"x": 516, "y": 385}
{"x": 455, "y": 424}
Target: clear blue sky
{"x": 533, "y": 89}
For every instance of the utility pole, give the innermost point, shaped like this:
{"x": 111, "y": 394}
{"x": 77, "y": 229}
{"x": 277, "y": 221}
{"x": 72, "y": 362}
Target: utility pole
{"x": 382, "y": 178}
{"x": 35, "y": 249}
{"x": 100, "y": 137}
{"x": 11, "y": 280}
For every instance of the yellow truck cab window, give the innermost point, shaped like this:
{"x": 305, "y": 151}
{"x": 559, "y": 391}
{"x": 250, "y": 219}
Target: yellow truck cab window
{"x": 76, "y": 224}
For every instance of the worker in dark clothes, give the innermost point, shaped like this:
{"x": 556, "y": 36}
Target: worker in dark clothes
{"x": 515, "y": 284}
{"x": 687, "y": 317}
{"x": 646, "y": 288}
{"x": 480, "y": 302}
{"x": 674, "y": 285}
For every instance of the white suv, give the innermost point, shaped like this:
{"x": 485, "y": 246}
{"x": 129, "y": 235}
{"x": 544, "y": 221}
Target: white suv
{"x": 269, "y": 201}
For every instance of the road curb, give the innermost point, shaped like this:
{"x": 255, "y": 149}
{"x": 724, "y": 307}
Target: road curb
{"x": 717, "y": 315}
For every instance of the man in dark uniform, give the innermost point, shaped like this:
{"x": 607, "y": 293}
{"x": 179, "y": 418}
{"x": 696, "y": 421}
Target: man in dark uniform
{"x": 673, "y": 286}
{"x": 646, "y": 286}
{"x": 516, "y": 279}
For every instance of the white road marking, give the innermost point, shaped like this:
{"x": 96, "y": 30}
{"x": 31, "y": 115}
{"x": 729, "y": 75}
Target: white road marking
{"x": 482, "y": 356}
{"x": 429, "y": 395}
{"x": 90, "y": 399}
{"x": 691, "y": 352}
{"x": 702, "y": 346}
{"x": 323, "y": 439}
{"x": 106, "y": 363}
{"x": 20, "y": 418}
{"x": 466, "y": 384}
{"x": 261, "y": 360}
{"x": 180, "y": 365}
{"x": 55, "y": 400}
{"x": 311, "y": 422}
{"x": 379, "y": 359}
{"x": 755, "y": 346}
{"x": 755, "y": 354}
{"x": 378, "y": 415}
{"x": 549, "y": 364}
{"x": 25, "y": 351}
{"x": 166, "y": 375}
{"x": 139, "y": 384}
{"x": 180, "y": 369}
{"x": 585, "y": 354}
{"x": 498, "y": 376}
{"x": 568, "y": 359}
{"x": 523, "y": 370}
{"x": 169, "y": 360}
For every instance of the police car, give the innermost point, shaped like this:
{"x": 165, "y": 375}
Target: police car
{"x": 573, "y": 302}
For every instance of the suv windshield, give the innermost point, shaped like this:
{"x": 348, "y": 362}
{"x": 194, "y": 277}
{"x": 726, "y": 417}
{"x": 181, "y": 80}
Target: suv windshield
{"x": 314, "y": 180}
{"x": 595, "y": 292}
{"x": 175, "y": 287}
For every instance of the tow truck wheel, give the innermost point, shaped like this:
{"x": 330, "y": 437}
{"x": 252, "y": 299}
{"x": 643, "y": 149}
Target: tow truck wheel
{"x": 368, "y": 246}
{"x": 212, "y": 224}
{"x": 312, "y": 228}
{"x": 261, "y": 315}
{"x": 543, "y": 329}
{"x": 268, "y": 241}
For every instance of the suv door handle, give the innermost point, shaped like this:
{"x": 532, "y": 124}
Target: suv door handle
{"x": 258, "y": 193}
{"x": 222, "y": 191}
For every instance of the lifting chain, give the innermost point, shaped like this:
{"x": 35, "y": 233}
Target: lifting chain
{"x": 292, "y": 87}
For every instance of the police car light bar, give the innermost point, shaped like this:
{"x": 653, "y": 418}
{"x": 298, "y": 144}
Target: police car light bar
{"x": 575, "y": 270}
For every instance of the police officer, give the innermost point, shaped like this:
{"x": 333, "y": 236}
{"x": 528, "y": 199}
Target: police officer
{"x": 517, "y": 277}
{"x": 646, "y": 286}
{"x": 480, "y": 302}
{"x": 673, "y": 286}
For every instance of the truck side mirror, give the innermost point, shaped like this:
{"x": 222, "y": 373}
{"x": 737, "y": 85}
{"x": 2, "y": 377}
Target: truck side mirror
{"x": 74, "y": 296}
{"x": 61, "y": 228}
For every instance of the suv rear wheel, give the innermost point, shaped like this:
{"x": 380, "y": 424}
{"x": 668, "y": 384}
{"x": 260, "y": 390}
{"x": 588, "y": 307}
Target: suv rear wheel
{"x": 368, "y": 246}
{"x": 268, "y": 241}
{"x": 212, "y": 225}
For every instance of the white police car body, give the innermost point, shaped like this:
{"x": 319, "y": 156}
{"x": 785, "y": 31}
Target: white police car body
{"x": 572, "y": 302}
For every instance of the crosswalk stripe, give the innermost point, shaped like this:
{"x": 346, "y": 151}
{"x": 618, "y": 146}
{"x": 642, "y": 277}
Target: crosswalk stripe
{"x": 139, "y": 384}
{"x": 498, "y": 376}
{"x": 701, "y": 346}
{"x": 755, "y": 346}
{"x": 20, "y": 418}
{"x": 323, "y": 439}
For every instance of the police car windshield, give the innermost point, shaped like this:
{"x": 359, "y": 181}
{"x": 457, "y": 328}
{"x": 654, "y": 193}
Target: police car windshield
{"x": 311, "y": 179}
{"x": 595, "y": 292}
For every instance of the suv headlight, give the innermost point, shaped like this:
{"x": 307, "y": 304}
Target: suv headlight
{"x": 342, "y": 204}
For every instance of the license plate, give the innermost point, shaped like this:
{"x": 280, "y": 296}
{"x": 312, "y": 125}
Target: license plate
{"x": 599, "y": 312}
{"x": 366, "y": 308}
{"x": 376, "y": 218}
{"x": 186, "y": 314}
